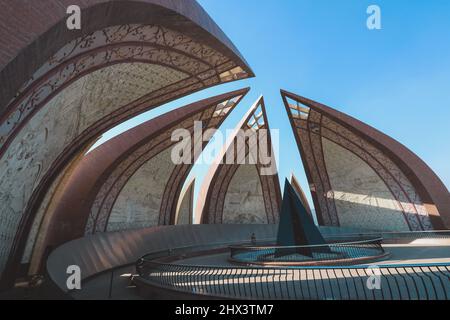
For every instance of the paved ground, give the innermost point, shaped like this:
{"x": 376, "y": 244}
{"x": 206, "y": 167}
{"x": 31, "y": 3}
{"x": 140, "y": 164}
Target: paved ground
{"x": 419, "y": 251}
{"x": 354, "y": 283}
{"x": 100, "y": 288}
{"x": 397, "y": 282}
{"x": 416, "y": 252}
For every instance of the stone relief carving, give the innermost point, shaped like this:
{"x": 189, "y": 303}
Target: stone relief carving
{"x": 138, "y": 203}
{"x": 244, "y": 198}
{"x": 311, "y": 132}
{"x": 362, "y": 198}
{"x": 107, "y": 195}
{"x": 218, "y": 197}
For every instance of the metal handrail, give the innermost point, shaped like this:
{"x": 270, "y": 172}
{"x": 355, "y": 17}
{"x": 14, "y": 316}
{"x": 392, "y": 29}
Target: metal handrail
{"x": 406, "y": 282}
{"x": 328, "y": 237}
{"x": 376, "y": 240}
{"x": 336, "y": 253}
{"x": 307, "y": 267}
{"x": 397, "y": 234}
{"x": 197, "y": 248}
{"x": 429, "y": 281}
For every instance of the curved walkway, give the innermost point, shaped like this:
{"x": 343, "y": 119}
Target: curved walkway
{"x": 418, "y": 282}
{"x": 418, "y": 270}
{"x": 107, "y": 262}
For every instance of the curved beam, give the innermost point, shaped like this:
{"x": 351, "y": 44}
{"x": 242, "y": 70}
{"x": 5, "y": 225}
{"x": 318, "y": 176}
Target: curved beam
{"x": 33, "y": 43}
{"x": 322, "y": 132}
{"x": 88, "y": 194}
{"x": 301, "y": 194}
{"x": 147, "y": 52}
{"x": 215, "y": 187}
{"x": 185, "y": 206}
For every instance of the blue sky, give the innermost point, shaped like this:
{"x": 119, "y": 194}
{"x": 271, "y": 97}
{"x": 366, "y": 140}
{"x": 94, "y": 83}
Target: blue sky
{"x": 395, "y": 79}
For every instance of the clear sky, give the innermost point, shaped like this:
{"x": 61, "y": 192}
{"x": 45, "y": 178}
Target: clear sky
{"x": 395, "y": 79}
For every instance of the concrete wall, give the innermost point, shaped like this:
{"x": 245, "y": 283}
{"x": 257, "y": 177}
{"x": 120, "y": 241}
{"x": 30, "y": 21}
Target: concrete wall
{"x": 61, "y": 88}
{"x": 68, "y": 114}
{"x": 139, "y": 202}
{"x": 185, "y": 207}
{"x": 375, "y": 169}
{"x": 362, "y": 199}
{"x": 104, "y": 251}
{"x": 244, "y": 202}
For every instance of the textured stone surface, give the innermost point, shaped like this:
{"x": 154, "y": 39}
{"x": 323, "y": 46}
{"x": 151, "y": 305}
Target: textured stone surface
{"x": 110, "y": 183}
{"x": 398, "y": 183}
{"x": 69, "y": 113}
{"x": 38, "y": 221}
{"x": 114, "y": 45}
{"x": 362, "y": 199}
{"x": 244, "y": 202}
{"x": 139, "y": 202}
{"x": 106, "y": 196}
{"x": 386, "y": 182}
{"x": 27, "y": 22}
{"x": 212, "y": 199}
{"x": 185, "y": 204}
{"x": 113, "y": 87}
{"x": 41, "y": 61}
